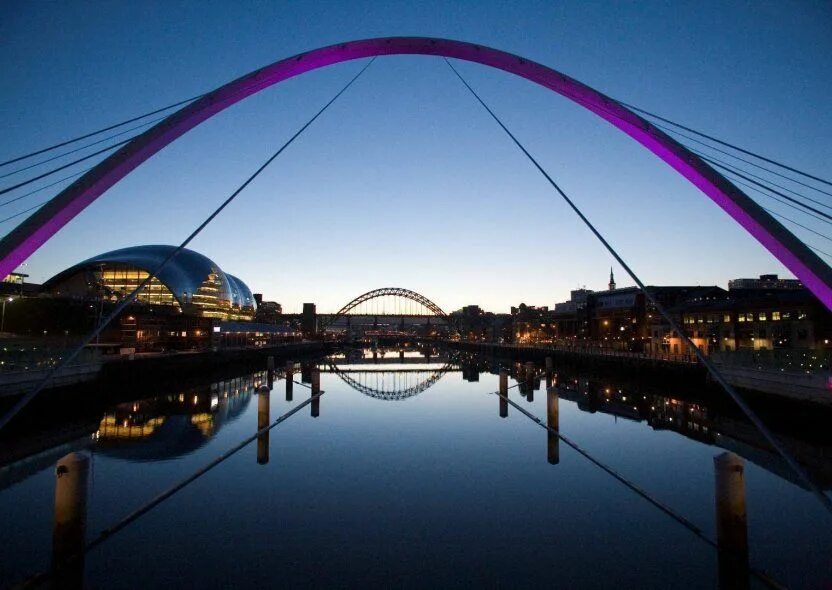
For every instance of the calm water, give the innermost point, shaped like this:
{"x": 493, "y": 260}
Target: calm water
{"x": 409, "y": 477}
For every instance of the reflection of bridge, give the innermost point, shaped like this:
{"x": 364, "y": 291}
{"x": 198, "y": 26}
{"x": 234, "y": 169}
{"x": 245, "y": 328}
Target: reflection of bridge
{"x": 404, "y": 374}
{"x": 391, "y": 385}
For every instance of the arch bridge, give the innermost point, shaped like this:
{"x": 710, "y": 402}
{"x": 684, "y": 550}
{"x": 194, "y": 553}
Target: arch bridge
{"x": 30, "y": 235}
{"x": 407, "y": 304}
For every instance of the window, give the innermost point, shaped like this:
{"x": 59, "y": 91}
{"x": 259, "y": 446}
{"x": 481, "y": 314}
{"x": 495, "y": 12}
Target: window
{"x": 762, "y": 316}
{"x": 775, "y": 316}
{"x": 801, "y": 315}
{"x": 726, "y": 318}
{"x": 741, "y": 317}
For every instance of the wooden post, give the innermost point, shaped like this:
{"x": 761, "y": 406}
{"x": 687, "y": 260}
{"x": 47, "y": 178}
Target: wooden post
{"x": 553, "y": 421}
{"x": 290, "y": 373}
{"x": 262, "y": 422}
{"x": 529, "y": 377}
{"x": 316, "y": 389}
{"x": 70, "y": 519}
{"x": 270, "y": 371}
{"x": 731, "y": 521}
{"x": 503, "y": 392}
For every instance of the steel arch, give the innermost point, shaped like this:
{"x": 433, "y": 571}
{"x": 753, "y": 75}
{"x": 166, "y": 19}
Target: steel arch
{"x": 386, "y": 292}
{"x": 27, "y": 237}
{"x": 392, "y": 394}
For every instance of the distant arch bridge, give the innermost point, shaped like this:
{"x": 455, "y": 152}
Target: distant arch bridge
{"x": 421, "y": 307}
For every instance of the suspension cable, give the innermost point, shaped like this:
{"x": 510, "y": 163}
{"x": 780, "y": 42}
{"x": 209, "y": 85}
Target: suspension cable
{"x": 715, "y": 373}
{"x": 65, "y": 166}
{"x": 749, "y": 162}
{"x": 725, "y": 143}
{"x": 80, "y": 148}
{"x": 91, "y": 134}
{"x": 825, "y": 237}
{"x": 765, "y": 182}
{"x": 769, "y": 196}
{"x": 46, "y": 186}
{"x": 698, "y": 532}
{"x": 132, "y": 296}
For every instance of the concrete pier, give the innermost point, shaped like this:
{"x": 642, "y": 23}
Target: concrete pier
{"x": 70, "y": 520}
{"x": 553, "y": 421}
{"x": 315, "y": 377}
{"x": 503, "y": 392}
{"x": 731, "y": 521}
{"x": 263, "y": 396}
{"x": 290, "y": 375}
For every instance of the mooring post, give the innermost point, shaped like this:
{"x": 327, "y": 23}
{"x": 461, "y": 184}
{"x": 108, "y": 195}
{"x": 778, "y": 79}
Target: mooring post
{"x": 553, "y": 422}
{"x": 263, "y": 395}
{"x": 550, "y": 371}
{"x": 316, "y": 389}
{"x": 529, "y": 377}
{"x": 270, "y": 371}
{"x": 731, "y": 521}
{"x": 503, "y": 392}
{"x": 70, "y": 519}
{"x": 290, "y": 373}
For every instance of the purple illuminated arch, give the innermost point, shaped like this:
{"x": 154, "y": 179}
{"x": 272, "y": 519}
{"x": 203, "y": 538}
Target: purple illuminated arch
{"x": 21, "y": 242}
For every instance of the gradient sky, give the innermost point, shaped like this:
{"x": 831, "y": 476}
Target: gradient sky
{"x": 406, "y": 181}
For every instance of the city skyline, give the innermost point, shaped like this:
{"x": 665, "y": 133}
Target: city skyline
{"x": 406, "y": 165}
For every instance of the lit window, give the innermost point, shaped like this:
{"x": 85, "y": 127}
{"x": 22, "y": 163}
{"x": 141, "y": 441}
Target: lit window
{"x": 726, "y": 318}
{"x": 775, "y": 315}
{"x": 762, "y": 316}
{"x": 741, "y": 317}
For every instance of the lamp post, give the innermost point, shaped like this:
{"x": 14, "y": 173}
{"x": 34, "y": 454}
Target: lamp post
{"x": 3, "y": 317}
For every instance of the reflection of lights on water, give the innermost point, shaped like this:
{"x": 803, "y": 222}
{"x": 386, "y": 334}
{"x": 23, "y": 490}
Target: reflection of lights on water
{"x": 214, "y": 402}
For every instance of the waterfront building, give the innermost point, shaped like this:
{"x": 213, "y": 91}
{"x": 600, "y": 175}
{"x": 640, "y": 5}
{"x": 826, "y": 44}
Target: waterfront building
{"x": 191, "y": 283}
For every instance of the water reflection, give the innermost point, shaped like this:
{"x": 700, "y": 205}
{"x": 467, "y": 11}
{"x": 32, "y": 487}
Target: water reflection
{"x": 170, "y": 426}
{"x": 149, "y": 429}
{"x": 391, "y": 375}
{"x": 175, "y": 424}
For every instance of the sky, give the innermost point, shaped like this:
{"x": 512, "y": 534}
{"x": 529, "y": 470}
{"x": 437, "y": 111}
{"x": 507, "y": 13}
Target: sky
{"x": 406, "y": 181}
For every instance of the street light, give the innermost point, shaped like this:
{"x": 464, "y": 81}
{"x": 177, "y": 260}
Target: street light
{"x": 3, "y": 319}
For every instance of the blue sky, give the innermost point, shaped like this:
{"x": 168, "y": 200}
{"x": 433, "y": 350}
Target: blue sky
{"x": 406, "y": 181}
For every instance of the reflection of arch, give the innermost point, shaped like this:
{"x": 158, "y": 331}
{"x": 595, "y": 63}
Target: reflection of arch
{"x": 392, "y": 394}
{"x": 389, "y": 292}
{"x": 40, "y": 226}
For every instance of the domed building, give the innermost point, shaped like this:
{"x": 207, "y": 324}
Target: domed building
{"x": 191, "y": 282}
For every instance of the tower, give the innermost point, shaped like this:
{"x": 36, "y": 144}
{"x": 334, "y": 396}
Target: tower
{"x": 612, "y": 281}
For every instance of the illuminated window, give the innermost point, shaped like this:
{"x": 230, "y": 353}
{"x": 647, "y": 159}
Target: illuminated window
{"x": 741, "y": 317}
{"x": 775, "y": 315}
{"x": 762, "y": 316}
{"x": 726, "y": 318}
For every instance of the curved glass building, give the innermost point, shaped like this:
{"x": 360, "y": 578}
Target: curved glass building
{"x": 191, "y": 282}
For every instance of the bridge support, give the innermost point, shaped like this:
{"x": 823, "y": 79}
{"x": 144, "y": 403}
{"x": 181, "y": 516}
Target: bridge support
{"x": 290, "y": 375}
{"x": 503, "y": 392}
{"x": 553, "y": 422}
{"x": 731, "y": 521}
{"x": 263, "y": 395}
{"x": 69, "y": 533}
{"x": 315, "y": 377}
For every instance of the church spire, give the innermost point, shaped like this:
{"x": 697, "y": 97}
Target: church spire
{"x": 612, "y": 281}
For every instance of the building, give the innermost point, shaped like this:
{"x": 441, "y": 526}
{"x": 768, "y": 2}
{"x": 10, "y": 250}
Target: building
{"x": 309, "y": 320}
{"x": 768, "y": 282}
{"x": 180, "y": 308}
{"x": 190, "y": 283}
